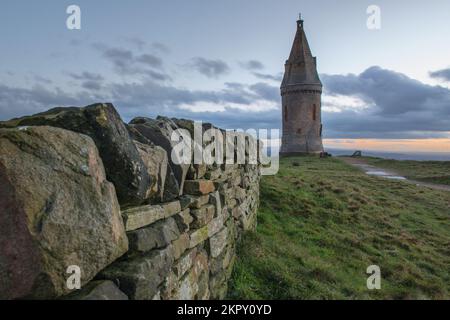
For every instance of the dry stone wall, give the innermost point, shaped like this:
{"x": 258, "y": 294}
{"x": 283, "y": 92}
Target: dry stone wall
{"x": 80, "y": 187}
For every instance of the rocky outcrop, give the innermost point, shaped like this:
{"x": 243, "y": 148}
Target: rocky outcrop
{"x": 174, "y": 236}
{"x": 56, "y": 210}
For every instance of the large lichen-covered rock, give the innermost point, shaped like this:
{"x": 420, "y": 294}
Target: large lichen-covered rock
{"x": 56, "y": 210}
{"x": 123, "y": 164}
{"x": 169, "y": 188}
{"x": 159, "y": 132}
{"x": 156, "y": 162}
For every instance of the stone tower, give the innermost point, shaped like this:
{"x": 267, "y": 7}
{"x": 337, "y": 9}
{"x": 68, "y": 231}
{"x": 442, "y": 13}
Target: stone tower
{"x": 301, "y": 92}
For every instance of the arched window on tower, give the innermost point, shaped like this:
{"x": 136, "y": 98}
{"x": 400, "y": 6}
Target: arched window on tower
{"x": 285, "y": 113}
{"x": 314, "y": 112}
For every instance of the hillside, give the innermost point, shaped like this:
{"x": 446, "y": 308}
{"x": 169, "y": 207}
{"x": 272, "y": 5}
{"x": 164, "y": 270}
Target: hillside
{"x": 323, "y": 222}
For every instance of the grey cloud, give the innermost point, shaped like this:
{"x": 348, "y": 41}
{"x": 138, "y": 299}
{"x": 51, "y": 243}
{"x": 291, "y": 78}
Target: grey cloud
{"x": 141, "y": 44}
{"x": 151, "y": 99}
{"x": 155, "y": 75}
{"x": 23, "y": 101}
{"x": 150, "y": 60}
{"x": 155, "y": 95}
{"x": 91, "y": 85}
{"x": 233, "y": 119}
{"x": 209, "y": 67}
{"x": 121, "y": 58}
{"x": 393, "y": 93}
{"x": 271, "y": 77}
{"x": 265, "y": 91}
{"x": 126, "y": 62}
{"x": 234, "y": 85}
{"x": 147, "y": 97}
{"x": 350, "y": 124}
{"x": 43, "y": 80}
{"x": 88, "y": 76}
{"x": 160, "y": 47}
{"x": 443, "y": 74}
{"x": 137, "y": 42}
{"x": 252, "y": 65}
{"x": 89, "y": 81}
{"x": 75, "y": 42}
{"x": 397, "y": 106}
{"x": 256, "y": 68}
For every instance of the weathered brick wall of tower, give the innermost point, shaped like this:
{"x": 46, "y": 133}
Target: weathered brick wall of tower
{"x": 301, "y": 119}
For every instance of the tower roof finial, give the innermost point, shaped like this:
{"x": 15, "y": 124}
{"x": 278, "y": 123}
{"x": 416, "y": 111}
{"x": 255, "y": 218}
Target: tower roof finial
{"x": 300, "y": 21}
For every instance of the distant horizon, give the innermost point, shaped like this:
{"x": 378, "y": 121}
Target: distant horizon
{"x": 349, "y": 146}
{"x": 391, "y": 151}
{"x": 425, "y": 145}
{"x": 405, "y": 155}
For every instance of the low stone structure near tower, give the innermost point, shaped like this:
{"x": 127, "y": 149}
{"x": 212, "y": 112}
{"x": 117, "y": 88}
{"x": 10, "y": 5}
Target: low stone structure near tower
{"x": 301, "y": 92}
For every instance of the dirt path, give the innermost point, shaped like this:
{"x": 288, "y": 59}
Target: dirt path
{"x": 389, "y": 174}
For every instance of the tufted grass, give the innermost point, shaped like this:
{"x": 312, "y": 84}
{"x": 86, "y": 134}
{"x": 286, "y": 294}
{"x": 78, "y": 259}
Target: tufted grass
{"x": 322, "y": 223}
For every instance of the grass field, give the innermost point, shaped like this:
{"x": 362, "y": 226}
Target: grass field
{"x": 427, "y": 171}
{"x": 322, "y": 223}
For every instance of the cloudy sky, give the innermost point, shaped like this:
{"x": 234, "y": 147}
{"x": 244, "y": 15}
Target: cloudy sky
{"x": 222, "y": 61}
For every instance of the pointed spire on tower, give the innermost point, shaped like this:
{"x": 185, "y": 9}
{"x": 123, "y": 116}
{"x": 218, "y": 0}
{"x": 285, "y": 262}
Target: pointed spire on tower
{"x": 301, "y": 65}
